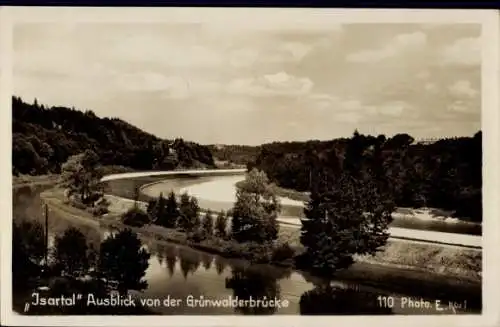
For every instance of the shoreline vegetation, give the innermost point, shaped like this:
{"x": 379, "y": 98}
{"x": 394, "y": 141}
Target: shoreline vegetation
{"x": 435, "y": 259}
{"x": 417, "y": 213}
{"x": 462, "y": 264}
{"x": 372, "y": 272}
{"x": 453, "y": 273}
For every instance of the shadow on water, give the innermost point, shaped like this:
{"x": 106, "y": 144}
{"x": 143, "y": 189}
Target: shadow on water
{"x": 250, "y": 284}
{"x": 258, "y": 282}
{"x": 330, "y": 300}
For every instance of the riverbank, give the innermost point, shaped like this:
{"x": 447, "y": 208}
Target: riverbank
{"x": 451, "y": 262}
{"x": 387, "y": 276}
{"x": 390, "y": 279}
{"x": 29, "y": 180}
{"x": 422, "y": 214}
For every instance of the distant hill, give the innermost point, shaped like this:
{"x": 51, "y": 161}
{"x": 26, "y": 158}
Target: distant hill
{"x": 43, "y": 138}
{"x": 445, "y": 174}
{"x": 234, "y": 155}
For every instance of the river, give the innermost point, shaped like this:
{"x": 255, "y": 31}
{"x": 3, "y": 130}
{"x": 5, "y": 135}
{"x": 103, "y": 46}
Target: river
{"x": 180, "y": 272}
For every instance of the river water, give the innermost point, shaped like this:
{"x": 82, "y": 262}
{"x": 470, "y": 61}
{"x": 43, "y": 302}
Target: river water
{"x": 184, "y": 274}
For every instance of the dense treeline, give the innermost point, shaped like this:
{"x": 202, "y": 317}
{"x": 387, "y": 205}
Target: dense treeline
{"x": 44, "y": 138}
{"x": 236, "y": 154}
{"x": 445, "y": 174}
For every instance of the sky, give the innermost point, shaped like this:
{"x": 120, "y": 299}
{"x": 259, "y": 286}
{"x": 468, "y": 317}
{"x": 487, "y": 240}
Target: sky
{"x": 257, "y": 83}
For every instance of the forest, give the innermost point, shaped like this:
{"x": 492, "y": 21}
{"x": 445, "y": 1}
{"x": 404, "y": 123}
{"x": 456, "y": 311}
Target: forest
{"x": 236, "y": 154}
{"x": 446, "y": 174}
{"x": 43, "y": 138}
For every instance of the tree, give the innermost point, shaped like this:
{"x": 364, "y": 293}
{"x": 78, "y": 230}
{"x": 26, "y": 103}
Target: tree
{"x": 69, "y": 132}
{"x": 184, "y": 205}
{"x": 221, "y": 225}
{"x": 28, "y": 250}
{"x": 122, "y": 259}
{"x": 256, "y": 209}
{"x": 71, "y": 252}
{"x": 189, "y": 213}
{"x": 195, "y": 221}
{"x": 151, "y": 209}
{"x": 208, "y": 224}
{"x": 160, "y": 212}
{"x": 195, "y": 224}
{"x": 172, "y": 210}
{"x": 345, "y": 216}
{"x": 80, "y": 176}
{"x": 25, "y": 157}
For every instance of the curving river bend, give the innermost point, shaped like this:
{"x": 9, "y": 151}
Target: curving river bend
{"x": 219, "y": 193}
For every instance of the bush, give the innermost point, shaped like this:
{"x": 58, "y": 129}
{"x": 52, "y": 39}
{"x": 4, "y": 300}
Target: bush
{"x": 99, "y": 211}
{"x": 101, "y": 207}
{"x": 283, "y": 252}
{"x": 135, "y": 217}
{"x": 77, "y": 204}
{"x": 197, "y": 236}
{"x": 255, "y": 252}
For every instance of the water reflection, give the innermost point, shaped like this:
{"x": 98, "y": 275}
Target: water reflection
{"x": 171, "y": 259}
{"x": 206, "y": 261}
{"x": 189, "y": 261}
{"x": 220, "y": 265}
{"x": 330, "y": 300}
{"x": 247, "y": 284}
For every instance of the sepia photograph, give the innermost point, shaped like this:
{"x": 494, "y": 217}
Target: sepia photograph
{"x": 257, "y": 163}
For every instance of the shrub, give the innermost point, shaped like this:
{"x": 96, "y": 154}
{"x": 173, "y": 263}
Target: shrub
{"x": 255, "y": 252}
{"x": 283, "y": 252}
{"x": 135, "y": 217}
{"x": 197, "y": 236}
{"x": 101, "y": 208}
{"x": 78, "y": 204}
{"x": 99, "y": 211}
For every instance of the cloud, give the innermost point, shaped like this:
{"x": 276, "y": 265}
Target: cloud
{"x": 243, "y": 57}
{"x": 297, "y": 50}
{"x": 348, "y": 116}
{"x": 460, "y": 106}
{"x": 425, "y": 74}
{"x": 174, "y": 87}
{"x": 267, "y": 21}
{"x": 465, "y": 51}
{"x": 399, "y": 44}
{"x": 173, "y": 52}
{"x": 431, "y": 87}
{"x": 462, "y": 88}
{"x": 394, "y": 108}
{"x": 354, "y": 109}
{"x": 339, "y": 109}
{"x": 281, "y": 84}
{"x": 270, "y": 53}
